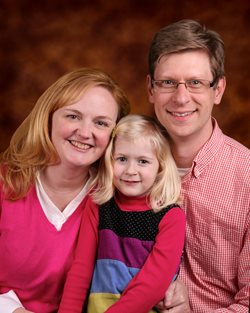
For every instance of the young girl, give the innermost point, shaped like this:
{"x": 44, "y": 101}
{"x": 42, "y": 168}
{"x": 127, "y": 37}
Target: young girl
{"x": 132, "y": 232}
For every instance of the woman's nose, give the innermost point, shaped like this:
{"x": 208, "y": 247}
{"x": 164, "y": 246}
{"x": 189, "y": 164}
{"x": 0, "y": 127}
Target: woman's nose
{"x": 84, "y": 129}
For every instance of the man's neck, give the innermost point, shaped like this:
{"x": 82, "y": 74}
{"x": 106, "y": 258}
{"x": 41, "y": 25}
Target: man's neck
{"x": 183, "y": 155}
{"x": 185, "y": 149}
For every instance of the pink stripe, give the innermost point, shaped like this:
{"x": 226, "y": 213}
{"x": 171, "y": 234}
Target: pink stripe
{"x": 131, "y": 251}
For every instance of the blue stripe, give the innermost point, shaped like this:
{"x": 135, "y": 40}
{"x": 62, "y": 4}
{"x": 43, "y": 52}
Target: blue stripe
{"x": 111, "y": 276}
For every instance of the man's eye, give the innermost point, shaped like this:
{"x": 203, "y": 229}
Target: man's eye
{"x": 194, "y": 82}
{"x": 168, "y": 82}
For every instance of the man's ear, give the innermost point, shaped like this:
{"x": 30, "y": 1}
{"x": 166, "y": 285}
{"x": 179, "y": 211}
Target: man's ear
{"x": 219, "y": 90}
{"x": 149, "y": 89}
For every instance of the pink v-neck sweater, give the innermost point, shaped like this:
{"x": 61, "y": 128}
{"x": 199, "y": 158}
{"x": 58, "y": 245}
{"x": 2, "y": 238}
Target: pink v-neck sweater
{"x": 35, "y": 257}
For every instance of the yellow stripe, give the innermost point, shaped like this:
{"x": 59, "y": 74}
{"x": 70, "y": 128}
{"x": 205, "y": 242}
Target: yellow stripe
{"x": 100, "y": 302}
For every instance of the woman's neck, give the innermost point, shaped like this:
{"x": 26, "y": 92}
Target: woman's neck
{"x": 63, "y": 186}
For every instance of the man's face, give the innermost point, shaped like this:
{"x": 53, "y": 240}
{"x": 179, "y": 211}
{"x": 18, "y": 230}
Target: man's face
{"x": 183, "y": 113}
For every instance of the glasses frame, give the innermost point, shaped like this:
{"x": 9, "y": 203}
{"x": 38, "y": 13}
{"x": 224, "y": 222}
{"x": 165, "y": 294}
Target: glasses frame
{"x": 166, "y": 90}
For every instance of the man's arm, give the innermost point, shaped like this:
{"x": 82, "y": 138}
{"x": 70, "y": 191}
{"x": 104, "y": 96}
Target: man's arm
{"x": 176, "y": 296}
{"x": 241, "y": 299}
{"x": 176, "y": 299}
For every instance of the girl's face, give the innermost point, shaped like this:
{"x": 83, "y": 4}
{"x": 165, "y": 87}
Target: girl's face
{"x": 135, "y": 166}
{"x": 81, "y": 131}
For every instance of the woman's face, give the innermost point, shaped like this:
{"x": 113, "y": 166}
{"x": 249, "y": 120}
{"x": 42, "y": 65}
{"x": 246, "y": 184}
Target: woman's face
{"x": 81, "y": 131}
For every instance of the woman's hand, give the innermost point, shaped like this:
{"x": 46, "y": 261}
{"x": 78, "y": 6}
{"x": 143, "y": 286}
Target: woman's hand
{"x": 22, "y": 310}
{"x": 176, "y": 299}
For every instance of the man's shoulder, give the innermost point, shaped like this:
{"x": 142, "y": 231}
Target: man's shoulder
{"x": 235, "y": 157}
{"x": 237, "y": 147}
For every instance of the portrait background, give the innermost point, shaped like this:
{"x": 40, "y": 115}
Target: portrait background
{"x": 42, "y": 40}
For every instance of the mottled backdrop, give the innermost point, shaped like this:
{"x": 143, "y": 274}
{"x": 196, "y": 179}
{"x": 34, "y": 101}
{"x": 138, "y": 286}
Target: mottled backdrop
{"x": 41, "y": 40}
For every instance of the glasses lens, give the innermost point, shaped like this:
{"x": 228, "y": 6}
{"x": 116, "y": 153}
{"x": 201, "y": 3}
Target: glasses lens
{"x": 197, "y": 85}
{"x": 165, "y": 86}
{"x": 169, "y": 86}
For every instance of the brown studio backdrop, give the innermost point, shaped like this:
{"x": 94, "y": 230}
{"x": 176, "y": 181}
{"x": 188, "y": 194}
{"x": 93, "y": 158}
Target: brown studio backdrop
{"x": 42, "y": 40}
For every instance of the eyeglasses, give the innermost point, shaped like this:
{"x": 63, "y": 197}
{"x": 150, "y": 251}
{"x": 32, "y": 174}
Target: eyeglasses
{"x": 192, "y": 85}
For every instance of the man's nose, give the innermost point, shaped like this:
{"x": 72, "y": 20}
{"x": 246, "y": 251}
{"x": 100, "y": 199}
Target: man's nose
{"x": 181, "y": 95}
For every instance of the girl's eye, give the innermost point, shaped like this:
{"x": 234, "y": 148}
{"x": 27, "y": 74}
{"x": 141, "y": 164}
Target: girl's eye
{"x": 121, "y": 159}
{"x": 143, "y": 162}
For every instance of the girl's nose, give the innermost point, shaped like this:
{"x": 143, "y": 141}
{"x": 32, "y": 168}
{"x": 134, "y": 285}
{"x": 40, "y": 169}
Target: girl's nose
{"x": 131, "y": 169}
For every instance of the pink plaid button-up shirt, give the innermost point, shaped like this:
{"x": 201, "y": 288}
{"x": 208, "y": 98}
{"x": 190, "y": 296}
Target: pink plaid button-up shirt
{"x": 216, "y": 194}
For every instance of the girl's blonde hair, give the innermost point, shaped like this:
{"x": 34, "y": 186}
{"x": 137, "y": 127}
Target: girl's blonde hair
{"x": 166, "y": 189}
{"x": 31, "y": 148}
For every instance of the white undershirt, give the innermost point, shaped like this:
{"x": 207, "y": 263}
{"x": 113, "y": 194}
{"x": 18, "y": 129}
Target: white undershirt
{"x": 53, "y": 214}
{"x": 9, "y": 301}
{"x": 183, "y": 171}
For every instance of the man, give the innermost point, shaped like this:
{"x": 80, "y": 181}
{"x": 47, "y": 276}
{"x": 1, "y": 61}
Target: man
{"x": 186, "y": 79}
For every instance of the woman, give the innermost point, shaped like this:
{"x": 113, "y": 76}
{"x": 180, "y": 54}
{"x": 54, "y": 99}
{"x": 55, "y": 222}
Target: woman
{"x": 45, "y": 174}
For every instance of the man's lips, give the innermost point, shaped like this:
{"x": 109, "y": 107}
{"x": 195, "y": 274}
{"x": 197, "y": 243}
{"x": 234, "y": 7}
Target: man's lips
{"x": 181, "y": 114}
{"x": 80, "y": 145}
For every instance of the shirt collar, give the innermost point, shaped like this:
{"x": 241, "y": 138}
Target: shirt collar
{"x": 208, "y": 151}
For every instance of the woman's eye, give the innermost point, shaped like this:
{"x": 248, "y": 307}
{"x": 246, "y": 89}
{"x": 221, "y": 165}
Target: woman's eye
{"x": 102, "y": 123}
{"x": 72, "y": 116}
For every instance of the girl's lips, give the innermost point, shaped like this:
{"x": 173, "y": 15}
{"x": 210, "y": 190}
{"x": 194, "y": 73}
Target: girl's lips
{"x": 80, "y": 145}
{"x": 130, "y": 181}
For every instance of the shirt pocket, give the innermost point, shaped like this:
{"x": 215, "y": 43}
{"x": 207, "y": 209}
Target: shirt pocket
{"x": 216, "y": 246}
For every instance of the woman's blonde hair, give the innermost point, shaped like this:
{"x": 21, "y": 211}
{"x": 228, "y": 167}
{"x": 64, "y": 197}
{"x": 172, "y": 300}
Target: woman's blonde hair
{"x": 31, "y": 148}
{"x": 166, "y": 189}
